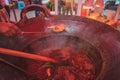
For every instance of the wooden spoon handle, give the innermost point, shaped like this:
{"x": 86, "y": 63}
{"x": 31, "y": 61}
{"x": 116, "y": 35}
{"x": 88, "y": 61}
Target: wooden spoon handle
{"x": 26, "y": 55}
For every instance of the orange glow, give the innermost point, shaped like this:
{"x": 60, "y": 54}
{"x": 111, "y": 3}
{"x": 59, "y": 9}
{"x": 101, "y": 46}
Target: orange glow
{"x": 97, "y": 5}
{"x": 48, "y": 72}
{"x": 87, "y": 7}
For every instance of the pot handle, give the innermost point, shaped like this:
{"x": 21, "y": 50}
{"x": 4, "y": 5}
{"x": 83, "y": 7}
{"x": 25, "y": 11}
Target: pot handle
{"x": 36, "y": 8}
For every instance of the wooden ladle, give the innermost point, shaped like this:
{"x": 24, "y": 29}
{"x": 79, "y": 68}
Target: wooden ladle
{"x": 26, "y": 55}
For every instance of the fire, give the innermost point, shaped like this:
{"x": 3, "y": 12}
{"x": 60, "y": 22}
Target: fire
{"x": 48, "y": 72}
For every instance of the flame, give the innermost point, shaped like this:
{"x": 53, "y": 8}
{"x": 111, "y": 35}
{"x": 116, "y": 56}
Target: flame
{"x": 48, "y": 72}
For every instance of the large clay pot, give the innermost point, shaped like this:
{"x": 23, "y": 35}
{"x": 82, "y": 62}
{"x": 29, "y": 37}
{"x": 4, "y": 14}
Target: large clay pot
{"x": 98, "y": 41}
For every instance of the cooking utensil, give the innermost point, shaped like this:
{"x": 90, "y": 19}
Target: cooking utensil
{"x": 26, "y": 55}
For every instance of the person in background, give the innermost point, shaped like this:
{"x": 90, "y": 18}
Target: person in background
{"x": 5, "y": 4}
{"x": 1, "y": 6}
{"x": 37, "y": 2}
{"x": 68, "y": 7}
{"x": 50, "y": 5}
{"x": 30, "y": 1}
{"x": 61, "y": 5}
{"x": 4, "y": 16}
